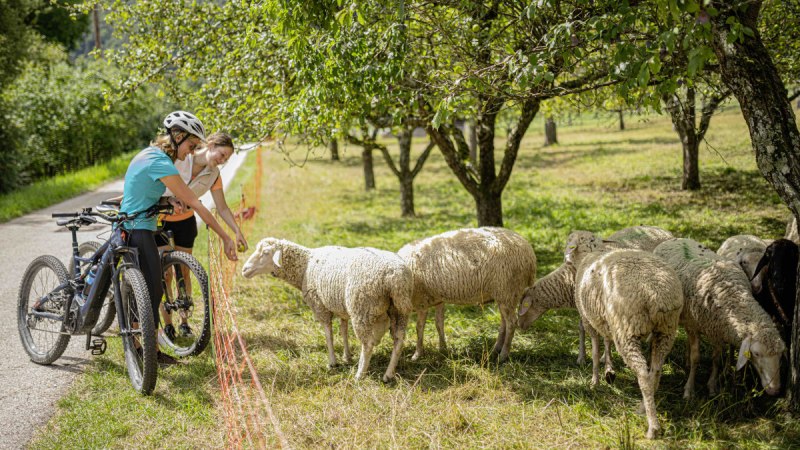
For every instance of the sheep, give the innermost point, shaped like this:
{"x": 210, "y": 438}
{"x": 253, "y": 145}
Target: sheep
{"x": 640, "y": 237}
{"x": 470, "y": 266}
{"x": 627, "y": 295}
{"x": 371, "y": 287}
{"x": 774, "y": 284}
{"x": 720, "y": 306}
{"x": 744, "y": 249}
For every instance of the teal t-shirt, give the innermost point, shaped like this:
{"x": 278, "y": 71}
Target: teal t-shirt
{"x": 143, "y": 186}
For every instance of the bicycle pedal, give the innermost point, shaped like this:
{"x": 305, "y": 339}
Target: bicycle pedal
{"x": 98, "y": 346}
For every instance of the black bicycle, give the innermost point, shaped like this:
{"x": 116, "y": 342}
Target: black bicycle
{"x": 186, "y": 297}
{"x": 54, "y": 304}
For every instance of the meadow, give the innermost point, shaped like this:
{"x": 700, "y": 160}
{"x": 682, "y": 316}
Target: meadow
{"x": 598, "y": 178}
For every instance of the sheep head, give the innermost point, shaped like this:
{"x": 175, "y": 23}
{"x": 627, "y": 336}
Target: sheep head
{"x": 766, "y": 359}
{"x": 528, "y": 310}
{"x": 266, "y": 259}
{"x": 580, "y": 244}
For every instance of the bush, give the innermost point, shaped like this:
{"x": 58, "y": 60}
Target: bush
{"x": 56, "y": 120}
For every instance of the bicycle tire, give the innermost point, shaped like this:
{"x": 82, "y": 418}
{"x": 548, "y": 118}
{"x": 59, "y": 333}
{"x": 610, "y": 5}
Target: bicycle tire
{"x": 109, "y": 311}
{"x": 195, "y": 346}
{"x": 136, "y": 307}
{"x": 42, "y": 353}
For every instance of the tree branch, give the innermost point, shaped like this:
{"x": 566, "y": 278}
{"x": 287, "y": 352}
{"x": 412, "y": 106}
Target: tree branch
{"x": 708, "y": 112}
{"x": 422, "y": 158}
{"x": 528, "y": 112}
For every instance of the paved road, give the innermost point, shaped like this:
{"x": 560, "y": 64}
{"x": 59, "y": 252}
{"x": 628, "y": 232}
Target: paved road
{"x": 28, "y": 392}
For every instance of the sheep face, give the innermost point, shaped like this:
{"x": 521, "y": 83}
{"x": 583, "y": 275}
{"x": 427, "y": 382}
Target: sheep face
{"x": 266, "y": 259}
{"x": 579, "y": 244}
{"x": 766, "y": 362}
{"x": 528, "y": 312}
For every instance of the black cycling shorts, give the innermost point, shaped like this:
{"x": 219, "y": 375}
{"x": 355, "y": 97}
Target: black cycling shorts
{"x": 184, "y": 232}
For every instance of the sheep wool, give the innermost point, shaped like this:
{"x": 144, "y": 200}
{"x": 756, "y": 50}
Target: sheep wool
{"x": 720, "y": 306}
{"x": 745, "y": 250}
{"x": 471, "y": 266}
{"x": 627, "y": 295}
{"x": 641, "y": 237}
{"x": 368, "y": 286}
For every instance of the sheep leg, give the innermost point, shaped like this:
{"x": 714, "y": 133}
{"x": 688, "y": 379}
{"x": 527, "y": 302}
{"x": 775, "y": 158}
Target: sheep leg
{"x": 328, "y": 326}
{"x": 366, "y": 354}
{"x": 440, "y": 327}
{"x": 595, "y": 355}
{"x": 693, "y": 341}
{"x": 631, "y": 352}
{"x": 716, "y": 356}
{"x": 420, "y": 350}
{"x": 399, "y": 323}
{"x": 348, "y": 358}
{"x": 501, "y": 338}
{"x": 581, "y": 343}
{"x": 610, "y": 375}
{"x": 511, "y": 325}
{"x": 370, "y": 333}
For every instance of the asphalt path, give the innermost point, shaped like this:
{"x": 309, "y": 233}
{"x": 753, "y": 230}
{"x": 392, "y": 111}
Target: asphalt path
{"x": 28, "y": 391}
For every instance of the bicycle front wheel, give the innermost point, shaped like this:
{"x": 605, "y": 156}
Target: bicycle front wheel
{"x": 44, "y": 339}
{"x": 138, "y": 331}
{"x": 185, "y": 304}
{"x": 109, "y": 311}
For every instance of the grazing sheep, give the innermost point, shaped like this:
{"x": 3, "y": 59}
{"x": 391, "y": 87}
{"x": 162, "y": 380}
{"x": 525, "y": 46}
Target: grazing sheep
{"x": 720, "y": 306}
{"x": 471, "y": 266}
{"x": 640, "y": 237}
{"x": 371, "y": 287}
{"x": 627, "y": 295}
{"x": 774, "y": 284}
{"x": 745, "y": 250}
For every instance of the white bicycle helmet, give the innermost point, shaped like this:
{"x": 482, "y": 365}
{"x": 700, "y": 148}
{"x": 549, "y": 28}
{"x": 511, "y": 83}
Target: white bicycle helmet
{"x": 187, "y": 122}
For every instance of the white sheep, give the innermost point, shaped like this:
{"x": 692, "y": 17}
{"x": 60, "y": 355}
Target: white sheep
{"x": 720, "y": 306}
{"x": 371, "y": 287}
{"x": 745, "y": 250}
{"x": 641, "y": 237}
{"x": 638, "y": 237}
{"x": 627, "y": 295}
{"x": 471, "y": 266}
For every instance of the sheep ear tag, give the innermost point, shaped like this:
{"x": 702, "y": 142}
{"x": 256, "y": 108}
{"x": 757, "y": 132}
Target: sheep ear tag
{"x": 526, "y": 304}
{"x": 276, "y": 258}
{"x": 744, "y": 354}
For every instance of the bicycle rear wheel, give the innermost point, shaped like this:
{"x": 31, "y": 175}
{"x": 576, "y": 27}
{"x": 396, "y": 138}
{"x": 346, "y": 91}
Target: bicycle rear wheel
{"x": 109, "y": 311}
{"x": 44, "y": 339}
{"x": 139, "y": 340}
{"x": 186, "y": 300}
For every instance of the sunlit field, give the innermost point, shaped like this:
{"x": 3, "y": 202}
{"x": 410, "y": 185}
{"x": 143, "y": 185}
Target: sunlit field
{"x": 598, "y": 178}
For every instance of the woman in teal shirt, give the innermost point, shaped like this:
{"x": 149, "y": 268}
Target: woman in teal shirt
{"x": 149, "y": 174}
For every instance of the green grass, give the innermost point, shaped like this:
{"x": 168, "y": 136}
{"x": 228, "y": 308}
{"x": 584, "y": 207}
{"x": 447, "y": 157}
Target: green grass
{"x": 44, "y": 193}
{"x": 598, "y": 179}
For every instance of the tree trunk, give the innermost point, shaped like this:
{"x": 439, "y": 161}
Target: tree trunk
{"x": 333, "y": 146}
{"x": 621, "y": 120}
{"x": 406, "y": 178}
{"x": 369, "y": 172}
{"x": 682, "y": 113}
{"x": 472, "y": 140}
{"x": 550, "y": 132}
{"x": 691, "y": 164}
{"x": 748, "y": 71}
{"x": 490, "y": 208}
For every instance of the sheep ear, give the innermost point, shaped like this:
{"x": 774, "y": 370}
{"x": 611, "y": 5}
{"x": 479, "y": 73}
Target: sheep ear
{"x": 744, "y": 353}
{"x": 276, "y": 258}
{"x": 525, "y": 305}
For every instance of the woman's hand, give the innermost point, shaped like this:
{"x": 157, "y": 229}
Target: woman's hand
{"x": 241, "y": 242}
{"x": 177, "y": 205}
{"x": 230, "y": 248}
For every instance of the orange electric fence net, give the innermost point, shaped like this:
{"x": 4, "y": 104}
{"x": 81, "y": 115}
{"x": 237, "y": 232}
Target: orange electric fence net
{"x": 250, "y": 422}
